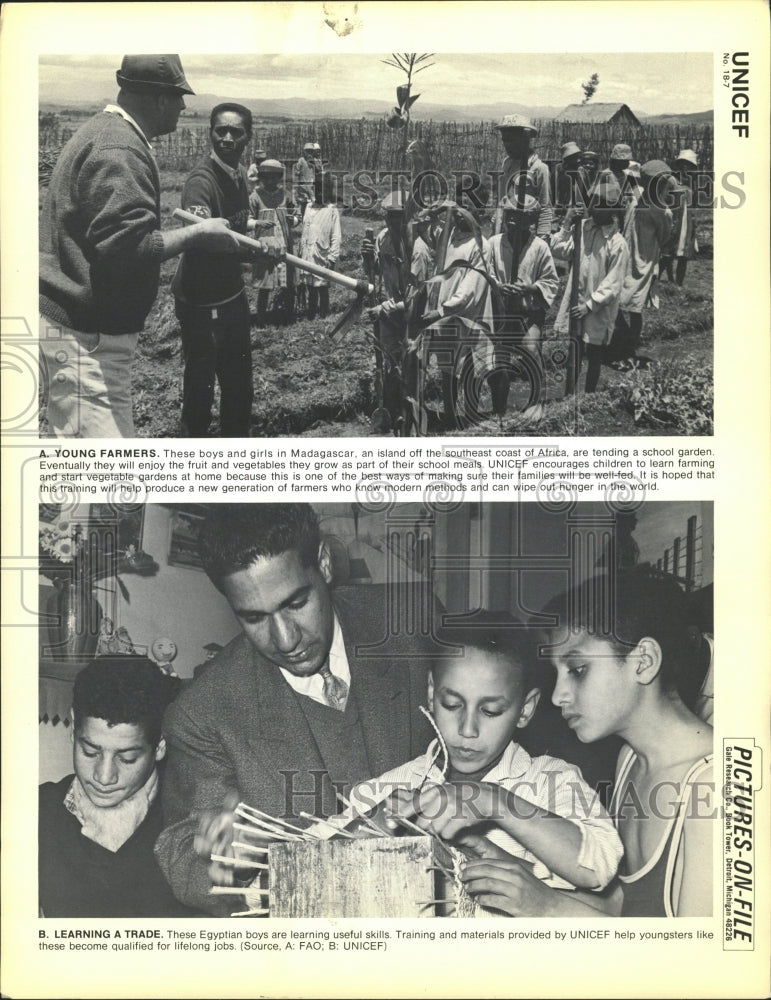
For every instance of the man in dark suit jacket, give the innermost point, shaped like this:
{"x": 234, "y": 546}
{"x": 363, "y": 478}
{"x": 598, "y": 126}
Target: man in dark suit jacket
{"x": 316, "y": 695}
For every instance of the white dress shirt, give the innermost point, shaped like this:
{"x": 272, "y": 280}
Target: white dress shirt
{"x": 313, "y": 686}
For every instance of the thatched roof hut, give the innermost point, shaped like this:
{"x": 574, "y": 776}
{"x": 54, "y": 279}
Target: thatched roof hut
{"x": 615, "y": 114}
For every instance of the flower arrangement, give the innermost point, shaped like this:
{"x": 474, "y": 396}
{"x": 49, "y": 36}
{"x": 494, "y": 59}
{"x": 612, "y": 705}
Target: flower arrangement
{"x": 76, "y": 549}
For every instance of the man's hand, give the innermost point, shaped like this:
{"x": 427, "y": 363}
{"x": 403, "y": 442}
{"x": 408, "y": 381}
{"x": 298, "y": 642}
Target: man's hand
{"x": 215, "y": 835}
{"x": 430, "y": 317}
{"x": 373, "y": 313}
{"x": 368, "y": 249}
{"x": 214, "y": 236}
{"x": 508, "y": 886}
{"x": 579, "y": 311}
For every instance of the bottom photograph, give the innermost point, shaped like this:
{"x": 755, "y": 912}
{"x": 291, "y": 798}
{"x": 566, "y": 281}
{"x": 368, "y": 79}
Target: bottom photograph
{"x": 376, "y": 710}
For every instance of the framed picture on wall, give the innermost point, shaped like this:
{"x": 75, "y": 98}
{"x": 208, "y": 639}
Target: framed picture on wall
{"x": 184, "y": 527}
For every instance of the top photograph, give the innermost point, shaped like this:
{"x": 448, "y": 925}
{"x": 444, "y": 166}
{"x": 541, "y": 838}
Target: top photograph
{"x": 391, "y": 245}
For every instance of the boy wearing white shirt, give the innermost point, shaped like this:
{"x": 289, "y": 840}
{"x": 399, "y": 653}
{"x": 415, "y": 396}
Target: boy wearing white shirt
{"x": 478, "y": 789}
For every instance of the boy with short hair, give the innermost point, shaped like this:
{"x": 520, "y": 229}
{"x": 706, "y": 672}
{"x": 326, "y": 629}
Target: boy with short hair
{"x": 98, "y": 826}
{"x": 489, "y": 796}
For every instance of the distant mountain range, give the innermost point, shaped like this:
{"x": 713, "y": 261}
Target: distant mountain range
{"x": 350, "y": 107}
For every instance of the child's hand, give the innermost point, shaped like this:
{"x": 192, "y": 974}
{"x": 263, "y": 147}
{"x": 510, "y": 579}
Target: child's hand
{"x": 476, "y": 846}
{"x": 508, "y": 886}
{"x": 453, "y": 807}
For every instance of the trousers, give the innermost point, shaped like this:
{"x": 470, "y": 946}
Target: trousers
{"x": 215, "y": 344}
{"x": 86, "y": 381}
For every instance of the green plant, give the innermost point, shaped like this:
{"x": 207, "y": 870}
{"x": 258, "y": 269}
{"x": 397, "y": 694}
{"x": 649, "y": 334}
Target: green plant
{"x": 677, "y": 395}
{"x": 410, "y": 63}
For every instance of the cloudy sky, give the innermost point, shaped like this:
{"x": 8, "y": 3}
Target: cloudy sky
{"x": 657, "y": 83}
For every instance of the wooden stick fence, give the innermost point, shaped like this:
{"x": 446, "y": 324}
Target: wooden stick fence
{"x": 368, "y": 144}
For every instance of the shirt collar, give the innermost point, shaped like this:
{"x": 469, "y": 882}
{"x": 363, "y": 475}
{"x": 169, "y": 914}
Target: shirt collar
{"x": 232, "y": 172}
{"x": 313, "y": 686}
{"x": 111, "y": 828}
{"x": 116, "y": 109}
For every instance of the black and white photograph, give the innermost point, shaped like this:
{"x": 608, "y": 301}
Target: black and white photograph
{"x": 303, "y": 688}
{"x": 363, "y": 279}
{"x": 470, "y": 709}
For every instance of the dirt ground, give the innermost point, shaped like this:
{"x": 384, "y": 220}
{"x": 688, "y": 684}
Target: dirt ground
{"x": 310, "y": 385}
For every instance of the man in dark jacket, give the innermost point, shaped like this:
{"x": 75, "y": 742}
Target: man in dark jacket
{"x": 318, "y": 693}
{"x": 101, "y": 249}
{"x": 209, "y": 288}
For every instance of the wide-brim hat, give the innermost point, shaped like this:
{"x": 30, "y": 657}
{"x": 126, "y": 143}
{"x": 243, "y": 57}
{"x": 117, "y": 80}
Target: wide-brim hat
{"x": 153, "y": 72}
{"x": 309, "y": 145}
{"x": 606, "y": 193}
{"x": 633, "y": 170}
{"x": 270, "y": 167}
{"x": 621, "y": 152}
{"x": 530, "y": 205}
{"x": 589, "y": 154}
{"x": 516, "y": 122}
{"x": 570, "y": 149}
{"x": 655, "y": 168}
{"x": 689, "y": 156}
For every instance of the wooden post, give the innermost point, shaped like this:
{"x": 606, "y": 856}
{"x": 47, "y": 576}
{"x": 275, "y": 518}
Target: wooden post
{"x": 368, "y": 877}
{"x": 576, "y": 325}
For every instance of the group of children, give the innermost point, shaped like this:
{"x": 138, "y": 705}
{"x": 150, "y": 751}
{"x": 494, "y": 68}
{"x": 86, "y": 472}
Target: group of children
{"x": 536, "y": 838}
{"x": 275, "y": 214}
{"x": 485, "y": 298}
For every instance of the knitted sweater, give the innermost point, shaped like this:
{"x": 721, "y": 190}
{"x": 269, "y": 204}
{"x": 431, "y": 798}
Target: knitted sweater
{"x": 79, "y": 878}
{"x": 208, "y": 279}
{"x": 100, "y": 240}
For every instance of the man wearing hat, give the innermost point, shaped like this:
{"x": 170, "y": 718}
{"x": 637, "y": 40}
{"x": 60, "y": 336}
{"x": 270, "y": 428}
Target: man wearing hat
{"x": 211, "y": 303}
{"x": 527, "y": 289}
{"x": 620, "y": 158}
{"x": 101, "y": 248}
{"x": 523, "y": 172}
{"x": 682, "y": 244}
{"x": 647, "y": 227}
{"x": 304, "y": 177}
{"x": 269, "y": 210}
{"x": 567, "y": 172}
